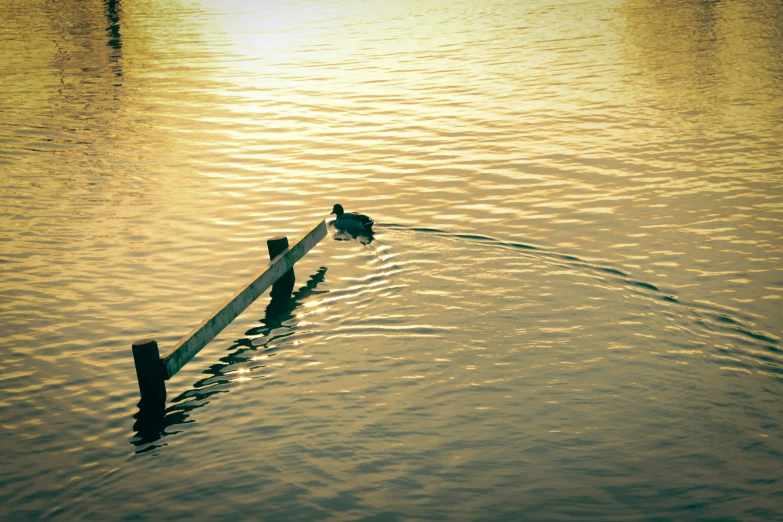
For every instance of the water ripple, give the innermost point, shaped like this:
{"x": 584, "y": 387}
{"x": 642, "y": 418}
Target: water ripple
{"x": 570, "y": 308}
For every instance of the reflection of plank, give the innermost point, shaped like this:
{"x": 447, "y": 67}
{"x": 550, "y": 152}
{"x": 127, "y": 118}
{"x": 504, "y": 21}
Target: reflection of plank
{"x": 236, "y": 304}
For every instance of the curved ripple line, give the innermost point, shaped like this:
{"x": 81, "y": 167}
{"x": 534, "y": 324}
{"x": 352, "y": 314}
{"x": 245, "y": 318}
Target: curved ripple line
{"x": 743, "y": 328}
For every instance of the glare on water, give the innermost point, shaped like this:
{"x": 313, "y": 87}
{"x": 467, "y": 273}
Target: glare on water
{"x": 570, "y": 309}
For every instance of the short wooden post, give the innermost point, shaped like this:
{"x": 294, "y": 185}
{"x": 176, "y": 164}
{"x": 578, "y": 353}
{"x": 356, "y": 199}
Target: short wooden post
{"x": 149, "y": 371}
{"x": 276, "y": 246}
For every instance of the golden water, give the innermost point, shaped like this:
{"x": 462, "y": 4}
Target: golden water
{"x": 571, "y": 308}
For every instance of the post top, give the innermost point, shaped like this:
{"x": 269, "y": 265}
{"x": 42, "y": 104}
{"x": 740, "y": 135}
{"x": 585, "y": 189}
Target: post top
{"x": 145, "y": 342}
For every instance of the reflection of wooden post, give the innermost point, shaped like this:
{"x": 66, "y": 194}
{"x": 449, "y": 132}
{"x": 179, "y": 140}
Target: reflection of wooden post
{"x": 276, "y": 246}
{"x": 149, "y": 370}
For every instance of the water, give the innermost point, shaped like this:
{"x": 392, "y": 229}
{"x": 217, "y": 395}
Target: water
{"x": 571, "y": 309}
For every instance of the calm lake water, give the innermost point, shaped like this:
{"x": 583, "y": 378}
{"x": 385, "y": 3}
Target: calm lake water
{"x": 571, "y": 309}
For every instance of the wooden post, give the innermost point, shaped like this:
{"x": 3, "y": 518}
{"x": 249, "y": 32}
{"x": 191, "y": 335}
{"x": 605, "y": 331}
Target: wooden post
{"x": 276, "y": 246}
{"x": 149, "y": 371}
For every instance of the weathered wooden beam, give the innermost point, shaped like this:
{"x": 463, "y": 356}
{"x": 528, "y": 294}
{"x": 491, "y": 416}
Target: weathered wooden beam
{"x": 192, "y": 343}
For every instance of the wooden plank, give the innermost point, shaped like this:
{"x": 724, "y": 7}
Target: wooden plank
{"x": 201, "y": 335}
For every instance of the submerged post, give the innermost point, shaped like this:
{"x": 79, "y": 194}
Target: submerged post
{"x": 149, "y": 371}
{"x": 276, "y": 246}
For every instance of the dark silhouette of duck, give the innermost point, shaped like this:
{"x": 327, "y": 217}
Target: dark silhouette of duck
{"x": 351, "y": 221}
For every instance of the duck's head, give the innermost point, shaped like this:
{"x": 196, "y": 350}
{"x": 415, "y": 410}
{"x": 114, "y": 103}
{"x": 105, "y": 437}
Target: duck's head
{"x": 338, "y": 210}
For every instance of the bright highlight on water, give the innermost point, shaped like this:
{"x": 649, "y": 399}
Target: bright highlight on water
{"x": 569, "y": 307}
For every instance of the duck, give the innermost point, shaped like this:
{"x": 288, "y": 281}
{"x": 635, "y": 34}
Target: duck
{"x": 351, "y": 221}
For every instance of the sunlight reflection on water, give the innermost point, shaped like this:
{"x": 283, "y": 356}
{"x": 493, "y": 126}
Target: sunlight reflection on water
{"x": 570, "y": 310}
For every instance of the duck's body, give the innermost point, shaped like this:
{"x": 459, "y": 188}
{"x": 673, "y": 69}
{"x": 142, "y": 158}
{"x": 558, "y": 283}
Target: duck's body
{"x": 351, "y": 220}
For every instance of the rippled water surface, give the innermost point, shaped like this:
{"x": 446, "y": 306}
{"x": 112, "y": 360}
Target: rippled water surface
{"x": 571, "y": 308}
